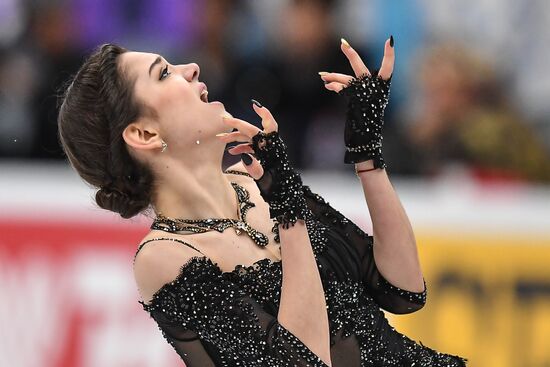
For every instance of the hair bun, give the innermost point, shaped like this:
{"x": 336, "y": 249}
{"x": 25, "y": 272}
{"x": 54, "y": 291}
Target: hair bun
{"x": 110, "y": 198}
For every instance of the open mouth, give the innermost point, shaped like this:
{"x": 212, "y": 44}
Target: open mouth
{"x": 204, "y": 96}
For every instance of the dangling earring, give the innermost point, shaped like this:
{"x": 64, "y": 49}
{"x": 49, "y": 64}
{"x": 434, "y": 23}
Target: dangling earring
{"x": 164, "y": 146}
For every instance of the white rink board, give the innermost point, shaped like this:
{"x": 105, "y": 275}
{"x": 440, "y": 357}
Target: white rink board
{"x": 452, "y": 202}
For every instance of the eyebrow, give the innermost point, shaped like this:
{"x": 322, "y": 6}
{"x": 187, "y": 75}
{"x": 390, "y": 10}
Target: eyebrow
{"x": 157, "y": 60}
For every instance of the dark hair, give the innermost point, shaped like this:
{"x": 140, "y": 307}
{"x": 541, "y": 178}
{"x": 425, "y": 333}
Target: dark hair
{"x": 96, "y": 107}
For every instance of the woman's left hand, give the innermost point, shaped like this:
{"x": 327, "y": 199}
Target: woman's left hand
{"x": 337, "y": 81}
{"x": 368, "y": 95}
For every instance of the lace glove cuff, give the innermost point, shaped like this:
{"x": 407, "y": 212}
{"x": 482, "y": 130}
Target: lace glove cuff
{"x": 280, "y": 185}
{"x": 368, "y": 96}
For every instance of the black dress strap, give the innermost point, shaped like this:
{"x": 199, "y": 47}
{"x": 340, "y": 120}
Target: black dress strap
{"x": 169, "y": 239}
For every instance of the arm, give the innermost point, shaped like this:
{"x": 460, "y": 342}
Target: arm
{"x": 395, "y": 249}
{"x": 351, "y": 245}
{"x": 302, "y": 308}
{"x": 368, "y": 94}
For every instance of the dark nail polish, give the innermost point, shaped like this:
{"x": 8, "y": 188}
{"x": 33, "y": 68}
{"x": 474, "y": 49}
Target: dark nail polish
{"x": 246, "y": 159}
{"x": 391, "y": 41}
{"x": 256, "y": 103}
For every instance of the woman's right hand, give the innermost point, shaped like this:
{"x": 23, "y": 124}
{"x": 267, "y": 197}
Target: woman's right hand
{"x": 245, "y": 134}
{"x": 279, "y": 184}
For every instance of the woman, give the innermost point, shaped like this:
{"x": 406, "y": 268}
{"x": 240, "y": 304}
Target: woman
{"x": 293, "y": 282}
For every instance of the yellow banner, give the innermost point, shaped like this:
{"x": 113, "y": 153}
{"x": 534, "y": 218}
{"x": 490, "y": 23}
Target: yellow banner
{"x": 488, "y": 298}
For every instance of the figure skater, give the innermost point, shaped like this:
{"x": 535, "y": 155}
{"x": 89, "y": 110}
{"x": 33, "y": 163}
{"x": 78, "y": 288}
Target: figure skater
{"x": 247, "y": 266}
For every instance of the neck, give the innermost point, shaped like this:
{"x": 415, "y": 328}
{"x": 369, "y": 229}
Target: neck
{"x": 198, "y": 192}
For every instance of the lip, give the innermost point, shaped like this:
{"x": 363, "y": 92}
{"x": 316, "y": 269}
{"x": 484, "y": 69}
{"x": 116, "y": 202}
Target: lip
{"x": 202, "y": 88}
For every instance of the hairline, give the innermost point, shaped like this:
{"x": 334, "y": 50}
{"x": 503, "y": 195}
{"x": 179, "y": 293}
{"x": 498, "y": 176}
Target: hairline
{"x": 131, "y": 81}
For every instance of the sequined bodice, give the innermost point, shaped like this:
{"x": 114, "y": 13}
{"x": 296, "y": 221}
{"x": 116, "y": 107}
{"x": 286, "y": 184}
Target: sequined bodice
{"x": 247, "y": 331}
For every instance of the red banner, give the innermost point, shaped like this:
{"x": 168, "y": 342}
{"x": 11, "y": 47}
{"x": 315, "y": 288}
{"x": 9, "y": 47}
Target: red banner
{"x": 69, "y": 297}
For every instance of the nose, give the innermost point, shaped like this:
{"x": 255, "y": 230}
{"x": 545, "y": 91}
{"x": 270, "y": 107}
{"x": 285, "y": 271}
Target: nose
{"x": 191, "y": 71}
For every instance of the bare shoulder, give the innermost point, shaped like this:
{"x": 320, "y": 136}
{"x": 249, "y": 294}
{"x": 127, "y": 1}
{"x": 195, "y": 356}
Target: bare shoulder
{"x": 158, "y": 263}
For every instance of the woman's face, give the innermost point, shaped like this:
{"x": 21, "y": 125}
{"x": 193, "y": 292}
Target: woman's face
{"x": 177, "y": 97}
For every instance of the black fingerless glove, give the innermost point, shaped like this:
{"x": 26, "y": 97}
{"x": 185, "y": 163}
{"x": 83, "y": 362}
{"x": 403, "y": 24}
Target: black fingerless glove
{"x": 280, "y": 185}
{"x": 368, "y": 97}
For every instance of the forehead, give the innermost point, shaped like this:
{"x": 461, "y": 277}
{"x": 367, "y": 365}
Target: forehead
{"x": 137, "y": 63}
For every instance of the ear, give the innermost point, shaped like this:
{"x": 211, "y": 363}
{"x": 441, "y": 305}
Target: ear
{"x": 142, "y": 136}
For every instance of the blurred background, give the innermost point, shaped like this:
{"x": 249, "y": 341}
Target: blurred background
{"x": 466, "y": 139}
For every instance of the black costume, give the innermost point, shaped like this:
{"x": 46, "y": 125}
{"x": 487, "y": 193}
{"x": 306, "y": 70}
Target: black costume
{"x": 215, "y": 318}
{"x": 212, "y": 318}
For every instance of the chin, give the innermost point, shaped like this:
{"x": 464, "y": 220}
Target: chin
{"x": 220, "y": 103}
{"x": 217, "y": 105}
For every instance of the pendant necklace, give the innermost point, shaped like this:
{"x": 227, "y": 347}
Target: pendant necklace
{"x": 240, "y": 225}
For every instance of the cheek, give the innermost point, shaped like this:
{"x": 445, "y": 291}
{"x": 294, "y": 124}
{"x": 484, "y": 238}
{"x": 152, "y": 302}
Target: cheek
{"x": 177, "y": 96}
{"x": 179, "y": 109}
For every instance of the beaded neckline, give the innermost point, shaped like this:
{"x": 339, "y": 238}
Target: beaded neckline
{"x": 195, "y": 262}
{"x": 173, "y": 225}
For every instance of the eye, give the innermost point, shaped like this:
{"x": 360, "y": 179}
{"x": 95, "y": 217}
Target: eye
{"x": 164, "y": 73}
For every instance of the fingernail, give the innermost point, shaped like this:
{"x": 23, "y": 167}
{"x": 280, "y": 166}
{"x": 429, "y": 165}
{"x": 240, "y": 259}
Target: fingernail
{"x": 344, "y": 42}
{"x": 391, "y": 41}
{"x": 222, "y": 134}
{"x": 246, "y": 159}
{"x": 258, "y": 104}
{"x": 323, "y": 72}
{"x": 325, "y": 82}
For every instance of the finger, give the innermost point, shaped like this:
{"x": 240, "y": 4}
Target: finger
{"x": 268, "y": 121}
{"x": 241, "y": 125}
{"x": 336, "y": 77}
{"x": 386, "y": 69}
{"x": 358, "y": 66}
{"x": 241, "y": 148}
{"x": 233, "y": 136}
{"x": 335, "y": 86}
{"x": 252, "y": 165}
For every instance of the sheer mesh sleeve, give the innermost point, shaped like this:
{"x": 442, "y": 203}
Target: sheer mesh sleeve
{"x": 210, "y": 321}
{"x": 357, "y": 247}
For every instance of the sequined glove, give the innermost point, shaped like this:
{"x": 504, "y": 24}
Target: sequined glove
{"x": 368, "y": 96}
{"x": 280, "y": 185}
